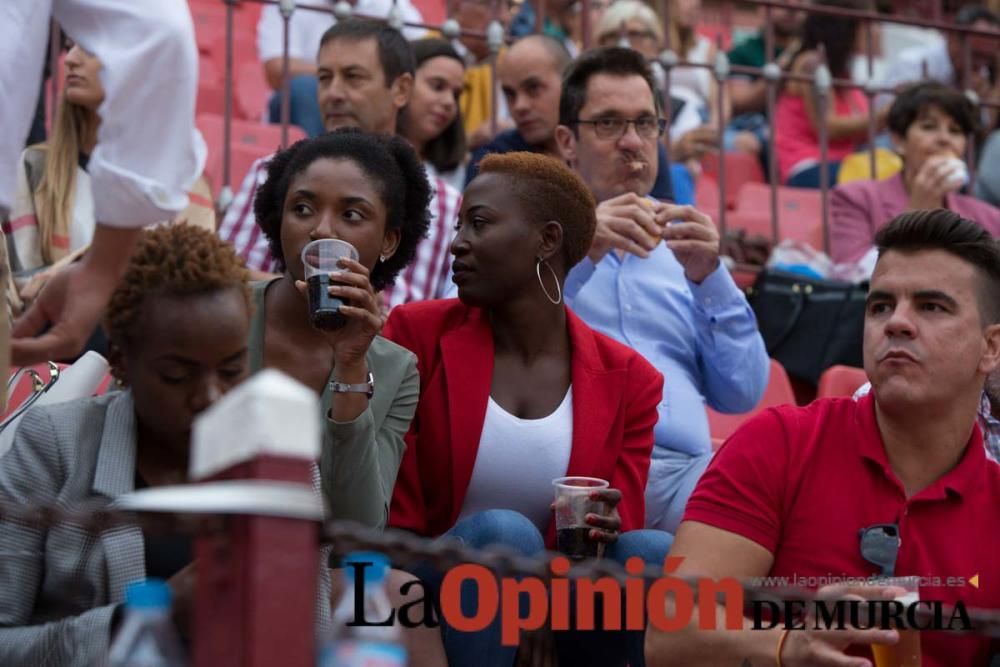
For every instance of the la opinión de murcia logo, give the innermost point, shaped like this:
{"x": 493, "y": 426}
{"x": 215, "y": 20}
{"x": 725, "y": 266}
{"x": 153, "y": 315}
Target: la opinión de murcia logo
{"x": 555, "y": 602}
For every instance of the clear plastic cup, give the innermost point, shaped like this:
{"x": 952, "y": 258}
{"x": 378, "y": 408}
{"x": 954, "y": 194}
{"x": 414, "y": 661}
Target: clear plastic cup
{"x": 573, "y": 504}
{"x": 905, "y": 652}
{"x": 319, "y": 260}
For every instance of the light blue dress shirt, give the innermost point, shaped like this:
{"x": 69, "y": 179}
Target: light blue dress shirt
{"x": 703, "y": 338}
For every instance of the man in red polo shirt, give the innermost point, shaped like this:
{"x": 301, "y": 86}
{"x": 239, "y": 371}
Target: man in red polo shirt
{"x": 790, "y": 493}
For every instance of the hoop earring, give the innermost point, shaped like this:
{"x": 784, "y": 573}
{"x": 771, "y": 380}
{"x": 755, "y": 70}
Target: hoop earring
{"x": 538, "y": 272}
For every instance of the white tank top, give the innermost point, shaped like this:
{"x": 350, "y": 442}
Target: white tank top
{"x": 517, "y": 461}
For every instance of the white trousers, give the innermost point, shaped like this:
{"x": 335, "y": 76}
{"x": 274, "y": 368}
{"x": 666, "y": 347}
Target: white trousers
{"x": 148, "y": 151}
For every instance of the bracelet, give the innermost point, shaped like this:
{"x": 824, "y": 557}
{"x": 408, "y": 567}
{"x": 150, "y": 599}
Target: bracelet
{"x": 781, "y": 645}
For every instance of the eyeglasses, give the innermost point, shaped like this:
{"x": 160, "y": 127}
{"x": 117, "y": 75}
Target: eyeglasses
{"x": 880, "y": 546}
{"x": 629, "y": 35}
{"x": 647, "y": 127}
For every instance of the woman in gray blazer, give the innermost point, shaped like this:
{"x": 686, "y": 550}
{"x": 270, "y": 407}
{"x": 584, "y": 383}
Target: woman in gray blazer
{"x": 370, "y": 191}
{"x": 177, "y": 327}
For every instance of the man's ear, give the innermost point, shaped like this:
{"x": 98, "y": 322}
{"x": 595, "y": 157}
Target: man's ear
{"x": 990, "y": 360}
{"x": 402, "y": 89}
{"x": 566, "y": 141}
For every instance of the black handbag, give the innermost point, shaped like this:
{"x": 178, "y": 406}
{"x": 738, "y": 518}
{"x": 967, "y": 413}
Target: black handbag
{"x": 808, "y": 324}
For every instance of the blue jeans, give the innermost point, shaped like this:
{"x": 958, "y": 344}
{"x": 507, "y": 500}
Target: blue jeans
{"x": 513, "y": 530}
{"x": 809, "y": 177}
{"x": 303, "y": 105}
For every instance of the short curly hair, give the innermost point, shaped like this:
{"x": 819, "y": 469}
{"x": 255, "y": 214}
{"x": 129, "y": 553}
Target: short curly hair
{"x": 171, "y": 260}
{"x": 549, "y": 190}
{"x": 388, "y": 160}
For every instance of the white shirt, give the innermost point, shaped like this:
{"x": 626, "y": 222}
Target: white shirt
{"x": 150, "y": 79}
{"x": 517, "y": 461}
{"x": 907, "y": 67}
{"x": 306, "y": 27}
{"x": 697, "y": 80}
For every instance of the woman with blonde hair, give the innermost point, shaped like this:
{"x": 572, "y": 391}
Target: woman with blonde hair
{"x": 52, "y": 220}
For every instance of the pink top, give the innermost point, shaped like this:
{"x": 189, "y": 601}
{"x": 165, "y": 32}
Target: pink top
{"x": 859, "y": 209}
{"x": 796, "y": 141}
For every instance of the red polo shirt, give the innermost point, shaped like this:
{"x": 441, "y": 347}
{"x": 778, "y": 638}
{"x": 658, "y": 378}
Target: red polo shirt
{"x": 802, "y": 482}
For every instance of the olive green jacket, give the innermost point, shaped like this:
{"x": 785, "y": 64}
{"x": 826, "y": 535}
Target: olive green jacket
{"x": 359, "y": 459}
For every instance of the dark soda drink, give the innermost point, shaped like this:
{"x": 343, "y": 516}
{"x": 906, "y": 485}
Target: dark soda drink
{"x": 324, "y": 310}
{"x": 575, "y": 543}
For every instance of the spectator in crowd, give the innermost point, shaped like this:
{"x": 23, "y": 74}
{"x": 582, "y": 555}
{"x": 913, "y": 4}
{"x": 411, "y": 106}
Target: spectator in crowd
{"x": 574, "y": 22}
{"x": 691, "y": 131}
{"x": 475, "y": 17}
{"x": 52, "y": 220}
{"x": 944, "y": 59}
{"x": 516, "y": 390}
{"x": 748, "y": 93}
{"x": 369, "y": 191}
{"x": 846, "y": 118}
{"x": 930, "y": 124}
{"x": 432, "y": 121}
{"x": 795, "y": 490}
{"x": 365, "y": 77}
{"x": 673, "y": 302}
{"x": 531, "y": 74}
{"x": 557, "y": 23}
{"x": 130, "y": 188}
{"x": 177, "y": 325}
{"x": 306, "y": 28}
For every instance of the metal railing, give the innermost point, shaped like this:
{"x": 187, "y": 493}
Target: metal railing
{"x": 821, "y": 81}
{"x": 405, "y": 548}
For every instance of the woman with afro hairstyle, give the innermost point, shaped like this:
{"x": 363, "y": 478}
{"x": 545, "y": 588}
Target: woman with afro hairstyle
{"x": 516, "y": 391}
{"x": 370, "y": 191}
{"x": 177, "y": 328}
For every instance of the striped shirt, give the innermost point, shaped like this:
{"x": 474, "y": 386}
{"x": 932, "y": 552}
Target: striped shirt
{"x": 425, "y": 277}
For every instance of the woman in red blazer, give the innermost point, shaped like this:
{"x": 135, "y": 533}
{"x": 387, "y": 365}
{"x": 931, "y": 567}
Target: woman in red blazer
{"x": 516, "y": 390}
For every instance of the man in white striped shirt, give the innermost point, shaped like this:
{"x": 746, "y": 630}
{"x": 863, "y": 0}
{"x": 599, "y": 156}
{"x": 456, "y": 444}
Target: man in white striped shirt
{"x": 365, "y": 71}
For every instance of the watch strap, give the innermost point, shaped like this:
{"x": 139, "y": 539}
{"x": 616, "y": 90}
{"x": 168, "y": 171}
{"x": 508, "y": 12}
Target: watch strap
{"x": 366, "y": 388}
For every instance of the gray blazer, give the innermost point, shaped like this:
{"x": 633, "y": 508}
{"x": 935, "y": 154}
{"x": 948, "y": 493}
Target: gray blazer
{"x": 59, "y": 586}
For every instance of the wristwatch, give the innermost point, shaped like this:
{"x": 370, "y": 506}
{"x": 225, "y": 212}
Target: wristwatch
{"x": 366, "y": 388}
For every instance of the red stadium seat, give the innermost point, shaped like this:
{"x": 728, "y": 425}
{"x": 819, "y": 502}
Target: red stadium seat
{"x": 800, "y": 212}
{"x": 250, "y": 141}
{"x": 212, "y": 45}
{"x": 706, "y": 196}
{"x": 840, "y": 381}
{"x": 208, "y": 13}
{"x": 741, "y": 168}
{"x": 779, "y": 392}
{"x": 252, "y": 92}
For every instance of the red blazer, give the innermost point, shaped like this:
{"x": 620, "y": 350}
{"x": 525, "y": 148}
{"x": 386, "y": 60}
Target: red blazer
{"x": 615, "y": 395}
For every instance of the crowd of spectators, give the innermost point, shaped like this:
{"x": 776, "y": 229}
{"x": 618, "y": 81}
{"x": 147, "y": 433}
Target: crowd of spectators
{"x": 534, "y": 295}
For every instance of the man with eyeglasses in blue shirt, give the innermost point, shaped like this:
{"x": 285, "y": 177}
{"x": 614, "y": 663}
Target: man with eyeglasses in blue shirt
{"x": 674, "y": 302}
